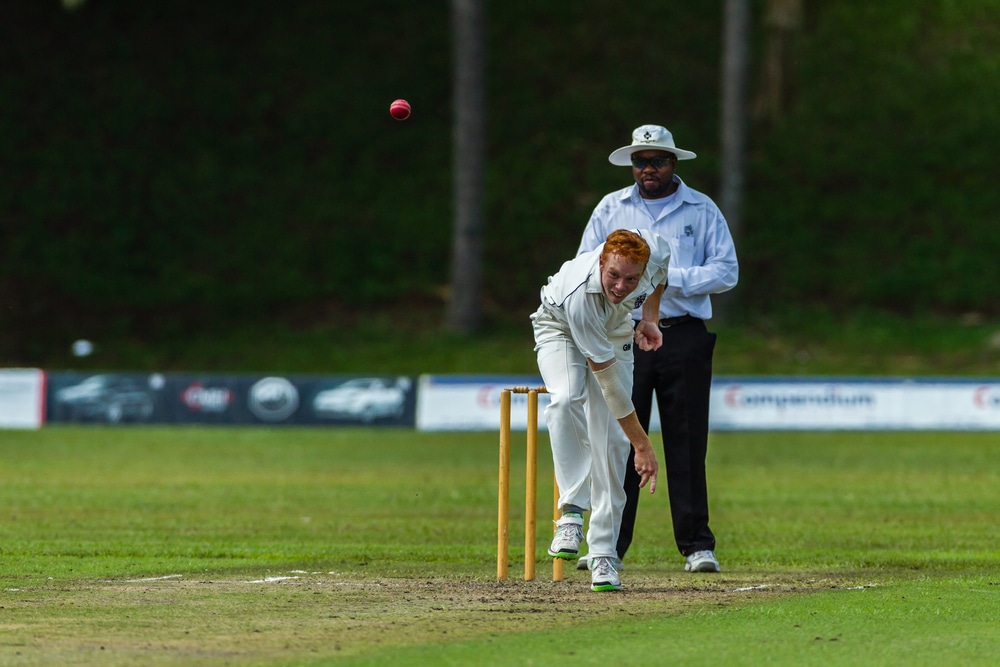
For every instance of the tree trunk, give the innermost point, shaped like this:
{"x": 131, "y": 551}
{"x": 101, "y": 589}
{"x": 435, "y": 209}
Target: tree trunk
{"x": 468, "y": 162}
{"x": 735, "y": 64}
{"x": 732, "y": 123}
{"x": 782, "y": 20}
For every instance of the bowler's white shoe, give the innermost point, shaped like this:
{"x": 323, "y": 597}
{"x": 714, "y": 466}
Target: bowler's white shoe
{"x": 702, "y": 561}
{"x": 604, "y": 574}
{"x": 584, "y": 563}
{"x": 569, "y": 532}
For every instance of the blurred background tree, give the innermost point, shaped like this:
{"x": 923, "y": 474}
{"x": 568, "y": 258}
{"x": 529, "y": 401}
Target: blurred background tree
{"x": 468, "y": 163}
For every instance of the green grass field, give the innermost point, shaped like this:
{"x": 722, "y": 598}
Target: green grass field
{"x": 258, "y": 546}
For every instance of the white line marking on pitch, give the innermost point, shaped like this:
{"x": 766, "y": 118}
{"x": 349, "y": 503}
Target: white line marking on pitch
{"x": 169, "y": 576}
{"x": 751, "y": 588}
{"x": 268, "y": 580}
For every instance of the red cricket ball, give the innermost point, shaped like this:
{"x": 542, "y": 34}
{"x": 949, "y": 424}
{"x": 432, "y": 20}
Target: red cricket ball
{"x": 400, "y": 109}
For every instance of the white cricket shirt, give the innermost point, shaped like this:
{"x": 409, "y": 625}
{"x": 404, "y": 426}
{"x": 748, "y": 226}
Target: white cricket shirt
{"x": 574, "y": 305}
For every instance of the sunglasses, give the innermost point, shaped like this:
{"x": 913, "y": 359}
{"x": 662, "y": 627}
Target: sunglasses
{"x": 658, "y": 161}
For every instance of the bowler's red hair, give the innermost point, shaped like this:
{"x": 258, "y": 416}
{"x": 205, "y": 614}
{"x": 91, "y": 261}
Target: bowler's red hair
{"x": 627, "y": 245}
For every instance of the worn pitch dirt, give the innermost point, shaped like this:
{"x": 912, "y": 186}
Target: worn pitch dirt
{"x": 187, "y": 620}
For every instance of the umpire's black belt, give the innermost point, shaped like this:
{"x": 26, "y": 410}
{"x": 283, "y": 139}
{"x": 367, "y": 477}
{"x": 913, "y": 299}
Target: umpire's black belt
{"x": 667, "y": 322}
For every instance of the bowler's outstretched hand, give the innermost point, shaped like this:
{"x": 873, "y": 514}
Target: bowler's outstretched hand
{"x": 647, "y": 467}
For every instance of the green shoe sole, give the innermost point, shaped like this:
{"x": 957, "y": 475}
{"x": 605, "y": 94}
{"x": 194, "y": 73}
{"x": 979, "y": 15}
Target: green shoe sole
{"x": 600, "y": 588}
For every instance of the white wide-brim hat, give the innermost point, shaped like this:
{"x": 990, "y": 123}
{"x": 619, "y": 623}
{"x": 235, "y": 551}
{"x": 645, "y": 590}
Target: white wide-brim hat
{"x": 649, "y": 138}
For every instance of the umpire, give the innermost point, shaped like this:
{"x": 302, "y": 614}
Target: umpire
{"x": 680, "y": 372}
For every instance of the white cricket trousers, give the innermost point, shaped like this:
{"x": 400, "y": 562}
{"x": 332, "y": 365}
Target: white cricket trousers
{"x": 589, "y": 448}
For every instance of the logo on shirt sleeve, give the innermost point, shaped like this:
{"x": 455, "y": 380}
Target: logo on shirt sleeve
{"x": 639, "y": 301}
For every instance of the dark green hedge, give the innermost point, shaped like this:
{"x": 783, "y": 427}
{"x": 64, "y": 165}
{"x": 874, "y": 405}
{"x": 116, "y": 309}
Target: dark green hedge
{"x": 877, "y": 191}
{"x": 170, "y": 164}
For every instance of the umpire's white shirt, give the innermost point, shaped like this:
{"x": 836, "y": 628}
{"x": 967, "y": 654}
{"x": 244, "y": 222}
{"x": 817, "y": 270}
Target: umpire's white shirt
{"x": 704, "y": 257}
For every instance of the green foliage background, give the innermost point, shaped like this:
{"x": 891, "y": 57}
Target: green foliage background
{"x": 880, "y": 176}
{"x": 179, "y": 165}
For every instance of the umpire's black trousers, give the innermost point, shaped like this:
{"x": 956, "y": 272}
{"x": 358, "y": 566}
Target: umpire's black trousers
{"x": 681, "y": 374}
